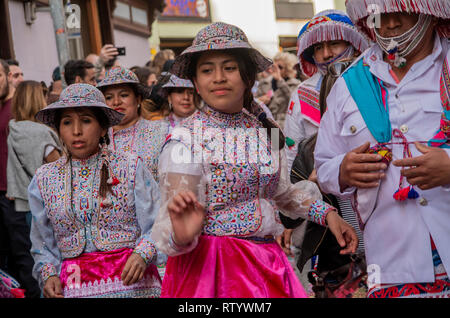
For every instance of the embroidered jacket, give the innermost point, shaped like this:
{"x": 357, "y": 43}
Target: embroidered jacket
{"x": 225, "y": 159}
{"x": 69, "y": 219}
{"x": 145, "y": 139}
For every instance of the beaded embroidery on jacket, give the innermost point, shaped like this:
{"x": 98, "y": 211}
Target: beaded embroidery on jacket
{"x": 232, "y": 189}
{"x": 70, "y": 231}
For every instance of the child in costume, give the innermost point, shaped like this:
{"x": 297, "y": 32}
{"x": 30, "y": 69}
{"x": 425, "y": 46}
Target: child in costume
{"x": 92, "y": 209}
{"x": 135, "y": 135}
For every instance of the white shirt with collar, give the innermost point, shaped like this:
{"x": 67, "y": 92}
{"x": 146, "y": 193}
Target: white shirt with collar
{"x": 396, "y": 233}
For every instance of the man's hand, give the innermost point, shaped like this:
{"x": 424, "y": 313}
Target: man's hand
{"x": 430, "y": 170}
{"x": 360, "y": 169}
{"x": 52, "y": 288}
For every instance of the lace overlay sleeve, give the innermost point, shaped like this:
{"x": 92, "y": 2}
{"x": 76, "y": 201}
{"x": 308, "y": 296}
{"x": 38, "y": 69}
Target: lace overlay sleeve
{"x": 172, "y": 181}
{"x": 300, "y": 200}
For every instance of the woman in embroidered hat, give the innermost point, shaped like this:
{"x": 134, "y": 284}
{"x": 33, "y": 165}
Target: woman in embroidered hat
{"x": 92, "y": 209}
{"x": 179, "y": 104}
{"x": 387, "y": 106}
{"x": 124, "y": 93}
{"x": 219, "y": 211}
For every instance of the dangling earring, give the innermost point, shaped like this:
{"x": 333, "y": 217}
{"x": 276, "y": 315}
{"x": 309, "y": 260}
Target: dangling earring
{"x": 170, "y": 106}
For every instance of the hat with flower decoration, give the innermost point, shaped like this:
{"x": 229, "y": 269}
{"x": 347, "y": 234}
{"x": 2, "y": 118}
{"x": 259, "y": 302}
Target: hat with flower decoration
{"x": 218, "y": 36}
{"x": 329, "y": 25}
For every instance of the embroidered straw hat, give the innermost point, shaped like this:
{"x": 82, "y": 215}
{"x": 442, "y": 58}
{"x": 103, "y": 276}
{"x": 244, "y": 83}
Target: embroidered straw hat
{"x": 218, "y": 36}
{"x": 329, "y": 25}
{"x": 75, "y": 96}
{"x": 361, "y": 11}
{"x": 173, "y": 82}
{"x": 118, "y": 75}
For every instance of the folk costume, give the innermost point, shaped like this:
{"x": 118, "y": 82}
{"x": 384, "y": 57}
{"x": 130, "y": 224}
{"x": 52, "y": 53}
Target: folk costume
{"x": 406, "y": 230}
{"x": 303, "y": 113}
{"x": 235, "y": 255}
{"x": 78, "y": 234}
{"x": 145, "y": 137}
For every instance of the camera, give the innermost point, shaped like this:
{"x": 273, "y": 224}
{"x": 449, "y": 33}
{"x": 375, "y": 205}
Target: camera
{"x": 121, "y": 50}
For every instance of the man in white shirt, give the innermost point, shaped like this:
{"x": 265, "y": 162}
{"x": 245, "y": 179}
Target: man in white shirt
{"x": 406, "y": 221}
{"x": 329, "y": 36}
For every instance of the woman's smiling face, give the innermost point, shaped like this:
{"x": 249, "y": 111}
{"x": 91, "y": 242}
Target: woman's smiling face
{"x": 219, "y": 81}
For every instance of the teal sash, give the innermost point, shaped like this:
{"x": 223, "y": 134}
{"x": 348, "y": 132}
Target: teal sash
{"x": 370, "y": 96}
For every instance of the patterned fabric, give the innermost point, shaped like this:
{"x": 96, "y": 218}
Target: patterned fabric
{"x": 70, "y": 212}
{"x": 98, "y": 275}
{"x": 147, "y": 251}
{"x": 439, "y": 289}
{"x": 309, "y": 104}
{"x": 48, "y": 270}
{"x": 234, "y": 186}
{"x": 218, "y": 36}
{"x": 318, "y": 212}
{"x": 325, "y": 26}
{"x": 118, "y": 75}
{"x": 175, "y": 81}
{"x": 360, "y": 11}
{"x": 9, "y": 287}
{"x": 145, "y": 139}
{"x": 442, "y": 138}
{"x": 75, "y": 96}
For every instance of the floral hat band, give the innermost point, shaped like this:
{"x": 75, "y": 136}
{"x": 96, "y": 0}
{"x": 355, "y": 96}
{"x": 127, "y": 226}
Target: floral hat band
{"x": 218, "y": 36}
{"x": 76, "y": 96}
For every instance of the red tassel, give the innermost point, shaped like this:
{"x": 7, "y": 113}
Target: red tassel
{"x": 18, "y": 293}
{"x": 401, "y": 194}
{"x": 115, "y": 181}
{"x": 391, "y": 57}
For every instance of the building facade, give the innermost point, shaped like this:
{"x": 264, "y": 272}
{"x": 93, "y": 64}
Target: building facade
{"x": 30, "y": 36}
{"x": 271, "y": 25}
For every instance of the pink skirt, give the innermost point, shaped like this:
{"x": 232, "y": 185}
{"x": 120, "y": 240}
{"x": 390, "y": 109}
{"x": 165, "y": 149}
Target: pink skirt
{"x": 227, "y": 267}
{"x": 97, "y": 275}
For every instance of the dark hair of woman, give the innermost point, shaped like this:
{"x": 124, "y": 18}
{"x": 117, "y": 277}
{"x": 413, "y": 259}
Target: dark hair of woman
{"x": 248, "y": 72}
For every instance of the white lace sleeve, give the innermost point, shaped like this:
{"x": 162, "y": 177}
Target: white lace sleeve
{"x": 173, "y": 177}
{"x": 302, "y": 199}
